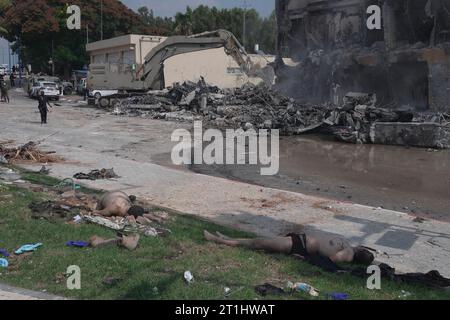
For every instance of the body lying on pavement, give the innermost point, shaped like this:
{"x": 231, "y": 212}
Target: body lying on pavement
{"x": 304, "y": 244}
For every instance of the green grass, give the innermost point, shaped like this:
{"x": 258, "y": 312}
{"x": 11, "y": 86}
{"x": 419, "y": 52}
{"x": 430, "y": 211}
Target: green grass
{"x": 155, "y": 270}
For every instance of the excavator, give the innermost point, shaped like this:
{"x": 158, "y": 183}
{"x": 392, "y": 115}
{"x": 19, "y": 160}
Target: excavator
{"x": 150, "y": 76}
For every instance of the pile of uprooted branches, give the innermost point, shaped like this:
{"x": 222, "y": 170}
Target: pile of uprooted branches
{"x": 28, "y": 152}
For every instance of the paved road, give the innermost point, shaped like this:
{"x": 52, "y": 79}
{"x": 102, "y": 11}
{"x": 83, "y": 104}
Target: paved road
{"x": 12, "y": 293}
{"x": 89, "y": 139}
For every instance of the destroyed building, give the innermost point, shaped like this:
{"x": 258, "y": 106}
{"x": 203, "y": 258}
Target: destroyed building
{"x": 406, "y": 63}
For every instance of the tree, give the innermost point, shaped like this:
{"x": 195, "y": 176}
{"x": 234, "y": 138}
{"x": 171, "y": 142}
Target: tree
{"x": 183, "y": 23}
{"x": 161, "y": 26}
{"x": 4, "y": 5}
{"x": 40, "y": 25}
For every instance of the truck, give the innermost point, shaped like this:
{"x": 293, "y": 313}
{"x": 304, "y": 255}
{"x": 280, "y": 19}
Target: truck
{"x": 128, "y": 80}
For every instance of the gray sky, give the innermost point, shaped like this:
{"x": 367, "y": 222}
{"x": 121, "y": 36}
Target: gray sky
{"x": 170, "y": 7}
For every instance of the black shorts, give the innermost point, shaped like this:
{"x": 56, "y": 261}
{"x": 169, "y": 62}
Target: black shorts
{"x": 298, "y": 244}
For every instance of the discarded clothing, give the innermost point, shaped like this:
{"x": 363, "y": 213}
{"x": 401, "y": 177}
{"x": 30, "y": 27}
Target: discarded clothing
{"x": 28, "y": 248}
{"x": 298, "y": 244}
{"x": 3, "y": 263}
{"x": 77, "y": 244}
{"x": 4, "y": 253}
{"x": 50, "y": 211}
{"x": 323, "y": 263}
{"x": 268, "y": 289}
{"x": 97, "y": 175}
{"x": 431, "y": 279}
{"x": 105, "y": 222}
{"x": 338, "y": 296}
{"x": 125, "y": 227}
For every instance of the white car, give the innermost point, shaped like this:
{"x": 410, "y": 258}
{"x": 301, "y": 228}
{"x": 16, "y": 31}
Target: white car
{"x": 50, "y": 89}
{"x": 97, "y": 94}
{"x": 3, "y": 70}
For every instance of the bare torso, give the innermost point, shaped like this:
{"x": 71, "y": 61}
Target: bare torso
{"x": 114, "y": 204}
{"x": 329, "y": 245}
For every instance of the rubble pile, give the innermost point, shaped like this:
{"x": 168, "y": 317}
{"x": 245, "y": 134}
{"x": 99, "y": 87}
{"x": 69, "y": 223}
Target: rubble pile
{"x": 353, "y": 120}
{"x": 27, "y": 152}
{"x": 356, "y": 120}
{"x": 247, "y": 107}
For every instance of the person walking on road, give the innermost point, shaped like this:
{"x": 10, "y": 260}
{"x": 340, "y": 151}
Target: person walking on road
{"x": 4, "y": 91}
{"x": 43, "y": 103}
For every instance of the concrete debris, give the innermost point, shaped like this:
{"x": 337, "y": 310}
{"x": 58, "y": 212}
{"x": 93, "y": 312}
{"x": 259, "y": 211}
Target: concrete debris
{"x": 248, "y": 107}
{"x": 356, "y": 120}
{"x": 353, "y": 120}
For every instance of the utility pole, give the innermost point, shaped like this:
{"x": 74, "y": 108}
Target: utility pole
{"x": 244, "y": 27}
{"x": 87, "y": 33}
{"x": 9, "y": 55}
{"x": 101, "y": 20}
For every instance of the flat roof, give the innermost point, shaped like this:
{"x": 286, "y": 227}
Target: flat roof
{"x": 121, "y": 41}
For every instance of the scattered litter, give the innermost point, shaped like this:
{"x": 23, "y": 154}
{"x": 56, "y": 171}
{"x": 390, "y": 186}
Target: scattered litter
{"x": 68, "y": 182}
{"x": 404, "y": 294}
{"x": 4, "y": 253}
{"x": 27, "y": 152}
{"x": 97, "y": 175}
{"x": 188, "y": 277}
{"x": 28, "y": 248}
{"x": 303, "y": 287}
{"x": 44, "y": 170}
{"x": 105, "y": 222}
{"x": 77, "y": 219}
{"x": 124, "y": 226}
{"x": 268, "y": 289}
{"x": 338, "y": 296}
{"x": 419, "y": 220}
{"x": 3, "y": 263}
{"x": 227, "y": 291}
{"x": 77, "y": 244}
{"x": 50, "y": 210}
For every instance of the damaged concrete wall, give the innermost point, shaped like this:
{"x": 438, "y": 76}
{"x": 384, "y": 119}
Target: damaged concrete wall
{"x": 406, "y": 63}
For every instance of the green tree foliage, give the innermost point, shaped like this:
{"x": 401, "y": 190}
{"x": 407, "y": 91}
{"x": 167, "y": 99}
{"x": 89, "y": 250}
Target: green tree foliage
{"x": 40, "y": 25}
{"x": 39, "y": 28}
{"x": 259, "y": 30}
{"x": 162, "y": 26}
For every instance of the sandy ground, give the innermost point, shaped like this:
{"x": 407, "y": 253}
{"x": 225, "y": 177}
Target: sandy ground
{"x": 90, "y": 139}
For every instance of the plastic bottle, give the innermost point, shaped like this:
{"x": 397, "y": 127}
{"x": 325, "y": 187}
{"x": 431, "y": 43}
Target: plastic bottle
{"x": 304, "y": 287}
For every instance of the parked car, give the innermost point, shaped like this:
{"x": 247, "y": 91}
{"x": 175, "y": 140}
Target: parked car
{"x": 3, "y": 70}
{"x": 50, "y": 90}
{"x": 97, "y": 94}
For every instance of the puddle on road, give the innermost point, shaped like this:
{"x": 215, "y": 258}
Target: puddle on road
{"x": 410, "y": 180}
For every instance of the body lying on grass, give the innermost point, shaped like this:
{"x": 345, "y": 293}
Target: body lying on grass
{"x": 306, "y": 244}
{"x": 118, "y": 204}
